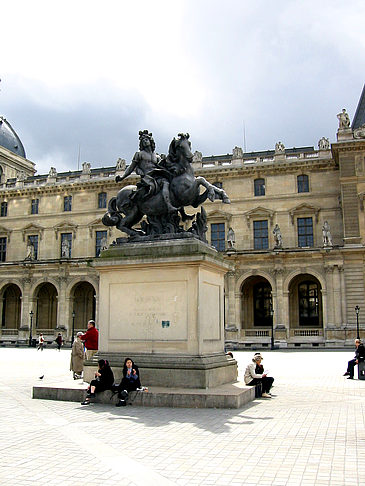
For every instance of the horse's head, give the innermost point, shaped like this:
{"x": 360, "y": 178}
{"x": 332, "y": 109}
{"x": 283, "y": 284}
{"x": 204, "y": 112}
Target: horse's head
{"x": 180, "y": 148}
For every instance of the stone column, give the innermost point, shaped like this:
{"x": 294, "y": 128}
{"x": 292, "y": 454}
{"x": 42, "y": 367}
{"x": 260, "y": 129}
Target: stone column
{"x": 285, "y": 312}
{"x": 278, "y": 272}
{"x": 62, "y": 315}
{"x": 330, "y": 302}
{"x": 27, "y": 305}
{"x": 231, "y": 324}
{"x": 343, "y": 294}
{"x": 337, "y": 297}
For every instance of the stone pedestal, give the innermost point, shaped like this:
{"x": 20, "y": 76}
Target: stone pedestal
{"x": 162, "y": 304}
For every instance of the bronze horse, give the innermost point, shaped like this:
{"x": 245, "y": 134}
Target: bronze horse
{"x": 124, "y": 212}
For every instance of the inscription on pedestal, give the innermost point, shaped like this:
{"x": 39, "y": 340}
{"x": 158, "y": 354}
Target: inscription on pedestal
{"x": 140, "y": 310}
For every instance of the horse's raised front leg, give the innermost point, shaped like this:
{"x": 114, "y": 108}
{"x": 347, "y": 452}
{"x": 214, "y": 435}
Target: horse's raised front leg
{"x": 213, "y": 191}
{"x": 125, "y": 224}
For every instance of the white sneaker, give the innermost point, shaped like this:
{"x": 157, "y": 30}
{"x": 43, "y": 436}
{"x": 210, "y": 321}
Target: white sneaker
{"x": 266, "y": 395}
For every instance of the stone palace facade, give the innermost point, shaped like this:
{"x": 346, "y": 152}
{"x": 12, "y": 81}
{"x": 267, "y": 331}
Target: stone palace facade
{"x": 295, "y": 233}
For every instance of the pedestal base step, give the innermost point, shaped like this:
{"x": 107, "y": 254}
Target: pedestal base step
{"x": 224, "y": 396}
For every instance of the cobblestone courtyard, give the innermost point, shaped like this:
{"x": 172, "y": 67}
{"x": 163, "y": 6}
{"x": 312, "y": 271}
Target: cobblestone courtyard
{"x": 310, "y": 433}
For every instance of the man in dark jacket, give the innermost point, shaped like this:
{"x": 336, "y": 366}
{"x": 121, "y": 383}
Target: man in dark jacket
{"x": 359, "y": 356}
{"x": 91, "y": 338}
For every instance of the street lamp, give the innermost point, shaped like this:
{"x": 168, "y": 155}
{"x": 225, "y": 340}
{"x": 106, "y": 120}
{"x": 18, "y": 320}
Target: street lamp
{"x": 73, "y": 327}
{"x": 30, "y": 328}
{"x": 357, "y": 310}
{"x": 272, "y": 326}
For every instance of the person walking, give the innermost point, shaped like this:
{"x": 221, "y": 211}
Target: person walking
{"x": 255, "y": 374}
{"x": 59, "y": 341}
{"x": 77, "y": 357}
{"x": 40, "y": 342}
{"x": 91, "y": 339}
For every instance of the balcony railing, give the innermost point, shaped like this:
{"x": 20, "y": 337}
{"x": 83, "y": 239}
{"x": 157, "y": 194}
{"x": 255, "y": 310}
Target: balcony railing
{"x": 306, "y": 332}
{"x": 9, "y": 332}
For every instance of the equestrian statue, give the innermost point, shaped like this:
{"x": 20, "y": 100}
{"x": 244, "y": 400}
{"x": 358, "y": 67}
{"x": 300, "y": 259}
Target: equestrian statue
{"x": 166, "y": 186}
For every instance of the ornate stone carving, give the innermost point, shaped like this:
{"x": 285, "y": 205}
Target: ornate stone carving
{"x": 277, "y": 236}
{"x": 324, "y": 144}
{"x": 52, "y": 172}
{"x": 279, "y": 148}
{"x": 360, "y": 132}
{"x": 231, "y": 238}
{"x": 198, "y": 156}
{"x": 86, "y": 168}
{"x": 326, "y": 234}
{"x": 121, "y": 165}
{"x": 237, "y": 153}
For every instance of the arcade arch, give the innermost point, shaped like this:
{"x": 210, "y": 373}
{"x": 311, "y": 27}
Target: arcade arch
{"x": 256, "y": 303}
{"x": 82, "y": 299}
{"x": 305, "y": 302}
{"x": 46, "y": 298}
{"x": 10, "y": 298}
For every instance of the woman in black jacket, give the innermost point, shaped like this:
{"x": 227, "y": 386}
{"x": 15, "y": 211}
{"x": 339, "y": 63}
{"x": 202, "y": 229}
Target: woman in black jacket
{"x": 130, "y": 381}
{"x": 104, "y": 379}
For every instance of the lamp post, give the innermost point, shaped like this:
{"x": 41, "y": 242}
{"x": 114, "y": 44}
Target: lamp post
{"x": 30, "y": 328}
{"x": 357, "y": 310}
{"x": 272, "y": 326}
{"x": 73, "y": 327}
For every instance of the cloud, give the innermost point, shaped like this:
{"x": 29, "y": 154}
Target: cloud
{"x": 91, "y": 75}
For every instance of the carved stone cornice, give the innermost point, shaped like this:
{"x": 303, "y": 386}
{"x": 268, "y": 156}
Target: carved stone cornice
{"x": 31, "y": 229}
{"x": 5, "y": 231}
{"x": 259, "y": 212}
{"x": 97, "y": 224}
{"x": 65, "y": 227}
{"x": 304, "y": 209}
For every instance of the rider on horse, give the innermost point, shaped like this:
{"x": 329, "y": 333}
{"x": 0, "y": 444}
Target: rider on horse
{"x": 154, "y": 178}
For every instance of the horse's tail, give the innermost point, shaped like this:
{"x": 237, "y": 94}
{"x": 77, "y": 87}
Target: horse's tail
{"x": 111, "y": 218}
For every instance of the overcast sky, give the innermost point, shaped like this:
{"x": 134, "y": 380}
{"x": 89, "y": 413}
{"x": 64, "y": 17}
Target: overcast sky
{"x": 92, "y": 74}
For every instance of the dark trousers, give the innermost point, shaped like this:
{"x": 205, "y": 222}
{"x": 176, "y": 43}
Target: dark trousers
{"x": 267, "y": 382}
{"x": 127, "y": 385}
{"x": 351, "y": 367}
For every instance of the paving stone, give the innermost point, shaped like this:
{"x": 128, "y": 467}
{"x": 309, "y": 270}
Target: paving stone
{"x": 302, "y": 436}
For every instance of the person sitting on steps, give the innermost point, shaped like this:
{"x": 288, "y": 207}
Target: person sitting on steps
{"x": 130, "y": 381}
{"x": 104, "y": 379}
{"x": 254, "y": 374}
{"x": 359, "y": 356}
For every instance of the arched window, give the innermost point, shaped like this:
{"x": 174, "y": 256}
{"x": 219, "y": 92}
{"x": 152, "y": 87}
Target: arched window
{"x": 303, "y": 183}
{"x": 308, "y": 303}
{"x": 259, "y": 187}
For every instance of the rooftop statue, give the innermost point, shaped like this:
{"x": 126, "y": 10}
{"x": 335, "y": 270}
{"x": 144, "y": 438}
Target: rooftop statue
{"x": 343, "y": 120}
{"x": 166, "y": 186}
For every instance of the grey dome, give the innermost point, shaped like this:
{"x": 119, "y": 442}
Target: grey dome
{"x": 9, "y": 139}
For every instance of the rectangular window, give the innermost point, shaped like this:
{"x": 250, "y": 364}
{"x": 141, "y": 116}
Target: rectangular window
{"x": 305, "y": 232}
{"x": 102, "y": 200}
{"x": 260, "y": 235}
{"x": 259, "y": 187}
{"x": 35, "y": 205}
{"x": 67, "y": 203}
{"x": 303, "y": 183}
{"x": 3, "y": 249}
{"x": 66, "y": 245}
{"x": 33, "y": 241}
{"x": 101, "y": 242}
{"x": 218, "y": 236}
{"x": 4, "y": 209}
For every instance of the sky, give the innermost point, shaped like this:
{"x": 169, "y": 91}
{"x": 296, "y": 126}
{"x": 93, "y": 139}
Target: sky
{"x": 79, "y": 78}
